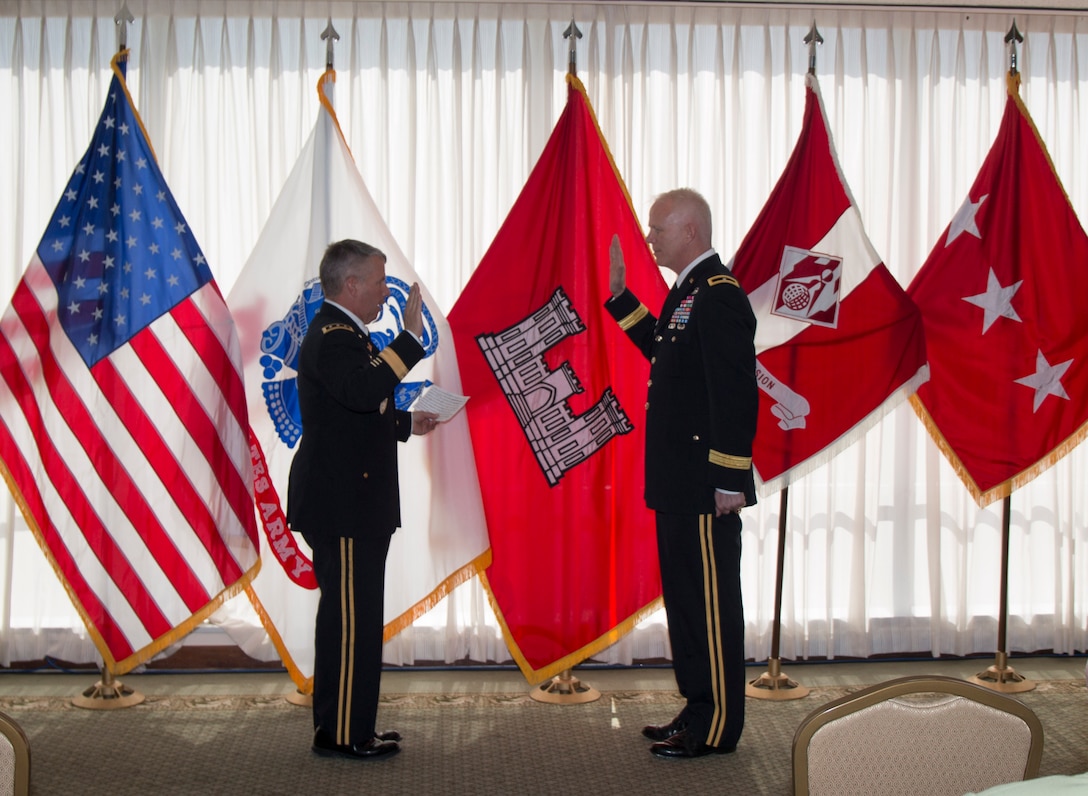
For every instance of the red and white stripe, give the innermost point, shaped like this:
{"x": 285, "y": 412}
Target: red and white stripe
{"x": 134, "y": 474}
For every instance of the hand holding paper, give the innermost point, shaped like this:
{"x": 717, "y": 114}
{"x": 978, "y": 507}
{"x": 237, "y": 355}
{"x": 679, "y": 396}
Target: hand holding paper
{"x": 441, "y": 402}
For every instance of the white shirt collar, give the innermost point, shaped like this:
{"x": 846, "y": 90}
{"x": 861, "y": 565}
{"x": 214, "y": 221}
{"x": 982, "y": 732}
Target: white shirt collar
{"x": 684, "y": 274}
{"x": 349, "y": 313}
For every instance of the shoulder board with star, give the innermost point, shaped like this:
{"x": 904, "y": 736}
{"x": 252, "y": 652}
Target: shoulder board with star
{"x": 336, "y": 327}
{"x": 722, "y": 279}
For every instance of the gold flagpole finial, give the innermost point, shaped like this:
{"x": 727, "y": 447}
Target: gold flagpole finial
{"x": 1012, "y": 38}
{"x": 573, "y": 34}
{"x": 122, "y": 19}
{"x": 329, "y": 36}
{"x": 812, "y": 39}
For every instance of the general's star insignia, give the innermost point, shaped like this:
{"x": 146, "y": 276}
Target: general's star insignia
{"x": 1046, "y": 380}
{"x": 964, "y": 220}
{"x": 996, "y": 302}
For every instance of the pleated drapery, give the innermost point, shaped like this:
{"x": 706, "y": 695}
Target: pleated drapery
{"x": 446, "y": 107}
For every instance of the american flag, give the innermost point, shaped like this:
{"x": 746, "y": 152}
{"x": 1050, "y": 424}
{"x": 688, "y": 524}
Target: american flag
{"x": 124, "y": 424}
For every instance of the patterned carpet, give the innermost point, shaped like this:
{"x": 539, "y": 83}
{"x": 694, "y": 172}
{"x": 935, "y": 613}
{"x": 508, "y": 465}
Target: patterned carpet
{"x": 464, "y": 744}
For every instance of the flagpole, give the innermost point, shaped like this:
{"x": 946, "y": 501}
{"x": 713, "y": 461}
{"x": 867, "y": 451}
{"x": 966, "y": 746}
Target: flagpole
{"x": 772, "y": 684}
{"x": 565, "y": 688}
{"x": 1001, "y": 676}
{"x": 108, "y": 693}
{"x": 330, "y": 37}
{"x": 573, "y": 34}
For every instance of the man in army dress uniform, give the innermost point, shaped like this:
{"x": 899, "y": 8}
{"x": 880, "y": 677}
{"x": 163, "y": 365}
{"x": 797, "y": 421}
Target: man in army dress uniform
{"x": 701, "y": 408}
{"x": 343, "y": 493}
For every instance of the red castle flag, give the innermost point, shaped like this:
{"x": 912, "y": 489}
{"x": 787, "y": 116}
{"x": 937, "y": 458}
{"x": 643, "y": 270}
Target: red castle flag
{"x": 558, "y": 406}
{"x": 443, "y": 538}
{"x": 124, "y": 423}
{"x": 1002, "y": 296}
{"x": 838, "y": 341}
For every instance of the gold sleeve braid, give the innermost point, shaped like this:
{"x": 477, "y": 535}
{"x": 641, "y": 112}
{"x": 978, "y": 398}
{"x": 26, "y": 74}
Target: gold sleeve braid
{"x": 636, "y": 316}
{"x": 390, "y": 358}
{"x": 730, "y": 462}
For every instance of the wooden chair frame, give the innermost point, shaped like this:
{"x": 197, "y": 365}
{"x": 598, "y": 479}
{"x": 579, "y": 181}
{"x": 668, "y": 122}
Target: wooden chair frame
{"x": 867, "y": 697}
{"x": 21, "y": 746}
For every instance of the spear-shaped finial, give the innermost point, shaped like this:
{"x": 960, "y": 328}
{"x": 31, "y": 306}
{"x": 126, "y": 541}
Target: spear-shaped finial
{"x": 573, "y": 34}
{"x": 812, "y": 39}
{"x": 122, "y": 18}
{"x": 329, "y": 35}
{"x": 1012, "y": 38}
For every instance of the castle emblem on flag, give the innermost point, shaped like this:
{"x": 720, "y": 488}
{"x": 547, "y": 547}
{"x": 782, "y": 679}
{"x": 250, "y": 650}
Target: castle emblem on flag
{"x": 538, "y": 395}
{"x": 281, "y": 341}
{"x": 808, "y": 287}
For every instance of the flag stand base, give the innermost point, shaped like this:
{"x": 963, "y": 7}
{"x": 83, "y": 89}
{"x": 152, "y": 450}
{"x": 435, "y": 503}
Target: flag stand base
{"x": 108, "y": 694}
{"x": 1001, "y": 677}
{"x": 565, "y": 689}
{"x": 772, "y": 684}
{"x": 296, "y": 697}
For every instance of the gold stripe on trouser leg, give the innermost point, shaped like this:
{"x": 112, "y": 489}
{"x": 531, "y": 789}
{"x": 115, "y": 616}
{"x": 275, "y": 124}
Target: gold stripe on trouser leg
{"x": 347, "y": 641}
{"x": 713, "y": 629}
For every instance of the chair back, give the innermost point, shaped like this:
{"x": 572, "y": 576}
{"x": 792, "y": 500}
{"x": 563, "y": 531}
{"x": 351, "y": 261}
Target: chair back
{"x": 932, "y": 735}
{"x": 14, "y": 758}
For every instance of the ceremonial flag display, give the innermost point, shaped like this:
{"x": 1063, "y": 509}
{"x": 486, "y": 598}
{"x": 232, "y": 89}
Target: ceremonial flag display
{"x": 443, "y": 538}
{"x": 838, "y": 342}
{"x": 558, "y": 406}
{"x": 124, "y": 426}
{"x": 1002, "y": 297}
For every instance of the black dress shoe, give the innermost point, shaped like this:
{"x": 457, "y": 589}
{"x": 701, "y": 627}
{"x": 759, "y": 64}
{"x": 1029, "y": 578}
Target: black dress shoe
{"x": 365, "y": 750}
{"x": 662, "y": 732}
{"x": 388, "y": 735}
{"x": 684, "y": 745}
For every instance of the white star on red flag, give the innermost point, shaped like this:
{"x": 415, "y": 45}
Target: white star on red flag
{"x": 1046, "y": 380}
{"x": 996, "y": 302}
{"x": 964, "y": 220}
{"x": 1026, "y": 244}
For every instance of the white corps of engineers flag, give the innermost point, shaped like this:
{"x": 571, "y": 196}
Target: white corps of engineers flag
{"x": 123, "y": 427}
{"x": 443, "y": 536}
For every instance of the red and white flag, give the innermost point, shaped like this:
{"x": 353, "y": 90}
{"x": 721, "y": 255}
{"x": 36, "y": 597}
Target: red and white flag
{"x": 443, "y": 538}
{"x": 558, "y": 406}
{"x": 1002, "y": 297}
{"x": 124, "y": 424}
{"x": 838, "y": 342}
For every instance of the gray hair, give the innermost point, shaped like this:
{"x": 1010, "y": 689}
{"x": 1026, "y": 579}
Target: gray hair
{"x": 694, "y": 205}
{"x": 341, "y": 260}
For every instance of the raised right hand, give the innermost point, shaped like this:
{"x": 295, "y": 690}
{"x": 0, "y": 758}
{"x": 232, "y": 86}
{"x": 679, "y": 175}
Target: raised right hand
{"x": 617, "y": 272}
{"x": 413, "y": 311}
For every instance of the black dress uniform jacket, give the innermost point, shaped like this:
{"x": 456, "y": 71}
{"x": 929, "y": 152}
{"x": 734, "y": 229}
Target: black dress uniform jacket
{"x": 702, "y": 398}
{"x": 343, "y": 496}
{"x": 701, "y": 410}
{"x": 344, "y": 479}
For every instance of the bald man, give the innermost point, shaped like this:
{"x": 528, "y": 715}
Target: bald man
{"x": 701, "y": 408}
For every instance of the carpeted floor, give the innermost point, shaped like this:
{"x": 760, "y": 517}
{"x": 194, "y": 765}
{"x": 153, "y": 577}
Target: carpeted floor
{"x": 504, "y": 744}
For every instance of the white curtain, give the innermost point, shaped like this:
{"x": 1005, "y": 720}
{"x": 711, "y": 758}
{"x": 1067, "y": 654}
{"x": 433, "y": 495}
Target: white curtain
{"x": 446, "y": 107}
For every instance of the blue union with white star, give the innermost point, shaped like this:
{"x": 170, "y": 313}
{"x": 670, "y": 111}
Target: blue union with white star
{"x": 117, "y": 247}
